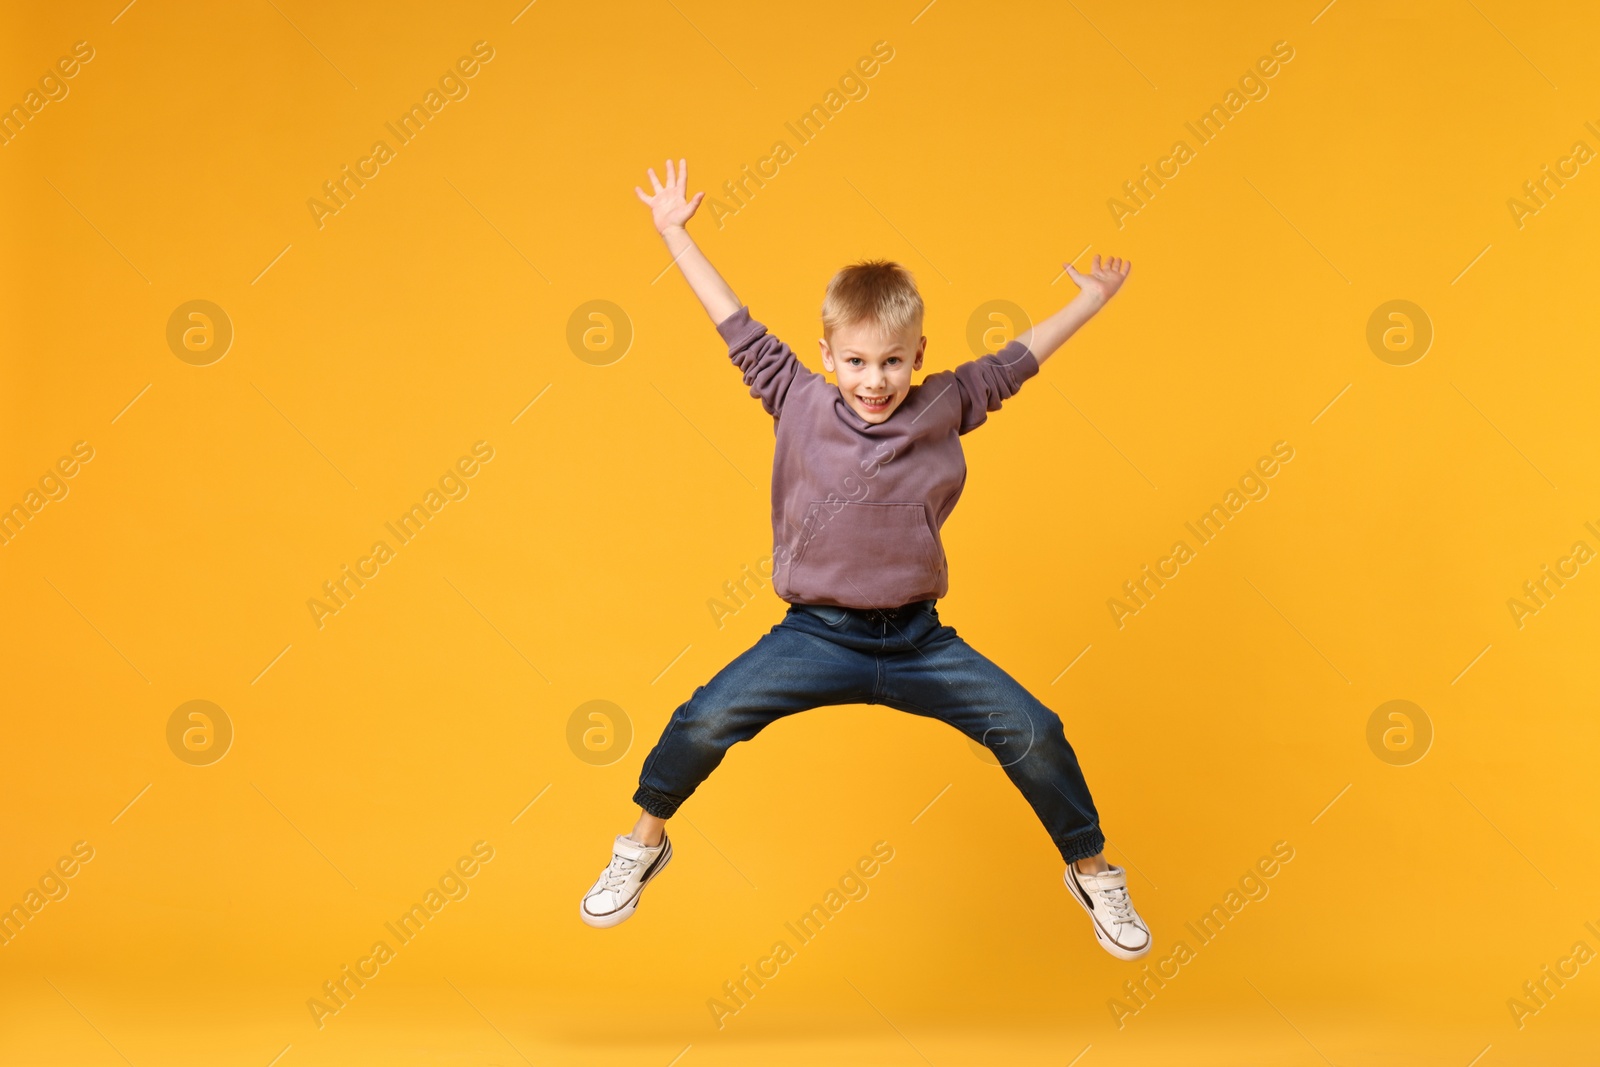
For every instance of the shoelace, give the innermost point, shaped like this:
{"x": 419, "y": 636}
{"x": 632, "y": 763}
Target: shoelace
{"x": 1117, "y": 902}
{"x": 618, "y": 872}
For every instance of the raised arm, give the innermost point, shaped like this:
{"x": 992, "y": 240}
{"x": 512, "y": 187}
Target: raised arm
{"x": 769, "y": 366}
{"x": 983, "y": 384}
{"x": 1094, "y": 289}
{"x": 670, "y": 212}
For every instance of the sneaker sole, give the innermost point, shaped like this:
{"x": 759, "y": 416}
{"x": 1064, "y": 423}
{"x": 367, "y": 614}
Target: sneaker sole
{"x": 1076, "y": 892}
{"x": 602, "y": 922}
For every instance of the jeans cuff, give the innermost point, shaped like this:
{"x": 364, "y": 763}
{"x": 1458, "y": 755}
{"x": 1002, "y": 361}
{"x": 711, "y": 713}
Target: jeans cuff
{"x": 1082, "y": 845}
{"x": 660, "y": 805}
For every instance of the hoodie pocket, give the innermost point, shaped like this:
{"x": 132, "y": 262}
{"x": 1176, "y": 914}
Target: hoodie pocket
{"x": 882, "y": 555}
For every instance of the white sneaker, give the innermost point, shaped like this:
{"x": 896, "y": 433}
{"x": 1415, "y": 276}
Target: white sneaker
{"x": 615, "y": 894}
{"x": 1117, "y": 927}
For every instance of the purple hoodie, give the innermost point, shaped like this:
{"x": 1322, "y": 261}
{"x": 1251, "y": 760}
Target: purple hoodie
{"x": 857, "y": 507}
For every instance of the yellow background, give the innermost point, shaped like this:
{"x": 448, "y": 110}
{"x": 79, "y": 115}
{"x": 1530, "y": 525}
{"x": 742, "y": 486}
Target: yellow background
{"x": 427, "y": 714}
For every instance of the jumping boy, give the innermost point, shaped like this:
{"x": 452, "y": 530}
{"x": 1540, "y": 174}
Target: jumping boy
{"x": 864, "y": 474}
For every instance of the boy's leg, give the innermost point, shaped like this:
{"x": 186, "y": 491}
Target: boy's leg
{"x": 810, "y": 659}
{"x": 649, "y": 829}
{"x": 797, "y": 665}
{"x": 934, "y": 672}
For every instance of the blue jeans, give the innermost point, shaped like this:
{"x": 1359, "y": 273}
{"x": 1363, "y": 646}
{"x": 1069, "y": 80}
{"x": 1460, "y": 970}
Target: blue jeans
{"x": 902, "y": 657}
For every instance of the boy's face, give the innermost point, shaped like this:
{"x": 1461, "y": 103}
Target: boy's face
{"x": 873, "y": 371}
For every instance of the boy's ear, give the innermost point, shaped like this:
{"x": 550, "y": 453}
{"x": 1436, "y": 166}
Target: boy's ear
{"x": 827, "y": 354}
{"x": 922, "y": 346}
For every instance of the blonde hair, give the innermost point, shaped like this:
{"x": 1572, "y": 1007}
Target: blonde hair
{"x": 873, "y": 290}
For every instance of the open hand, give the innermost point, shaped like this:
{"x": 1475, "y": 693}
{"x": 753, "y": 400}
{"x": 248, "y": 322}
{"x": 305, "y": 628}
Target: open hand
{"x": 668, "y": 207}
{"x": 1102, "y": 281}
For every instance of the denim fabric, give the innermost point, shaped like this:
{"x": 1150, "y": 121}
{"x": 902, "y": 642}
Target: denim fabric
{"x": 902, "y": 657}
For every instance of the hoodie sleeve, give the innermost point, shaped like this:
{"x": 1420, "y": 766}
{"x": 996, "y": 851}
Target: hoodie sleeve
{"x": 986, "y": 382}
{"x": 770, "y": 367}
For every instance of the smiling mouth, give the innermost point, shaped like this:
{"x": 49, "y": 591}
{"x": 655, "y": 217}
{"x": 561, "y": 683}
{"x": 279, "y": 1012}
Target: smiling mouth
{"x": 875, "y": 403}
